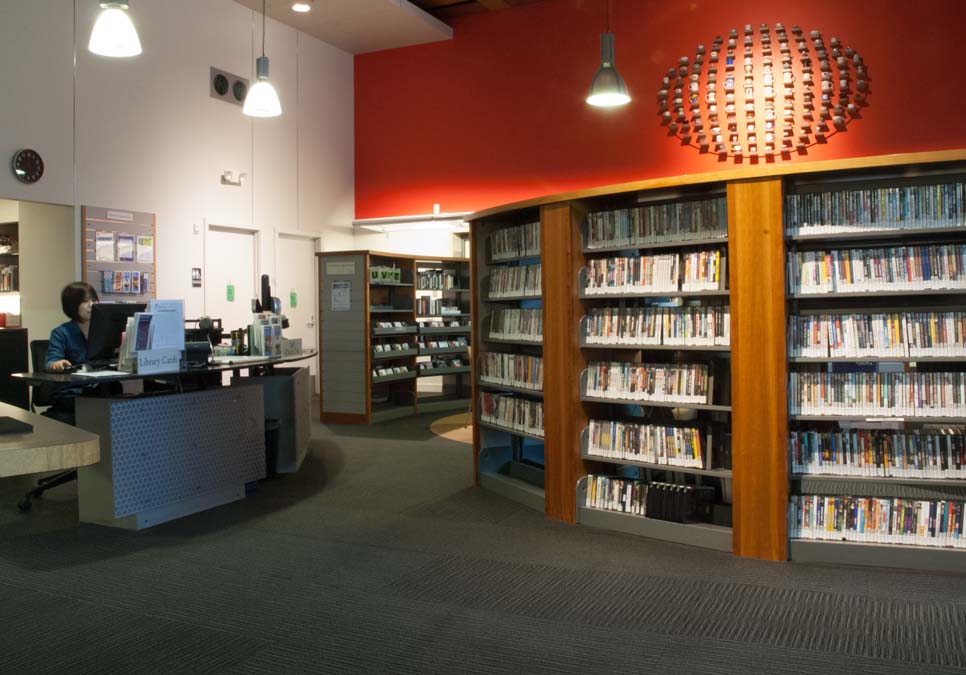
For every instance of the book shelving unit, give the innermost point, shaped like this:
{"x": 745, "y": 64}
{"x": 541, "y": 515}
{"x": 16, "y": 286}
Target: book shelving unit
{"x": 878, "y": 485}
{"x": 370, "y": 298}
{"x": 507, "y": 459}
{"x": 443, "y": 371}
{"x": 748, "y": 398}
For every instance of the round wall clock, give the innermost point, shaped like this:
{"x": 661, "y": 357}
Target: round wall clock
{"x": 27, "y": 166}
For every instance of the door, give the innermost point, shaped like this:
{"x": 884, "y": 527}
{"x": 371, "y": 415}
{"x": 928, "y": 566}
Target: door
{"x": 296, "y": 280}
{"x": 230, "y": 277}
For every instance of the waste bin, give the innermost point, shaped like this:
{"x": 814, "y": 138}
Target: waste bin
{"x": 272, "y": 428}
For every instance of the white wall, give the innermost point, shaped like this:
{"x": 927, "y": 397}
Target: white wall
{"x": 428, "y": 242}
{"x": 150, "y": 138}
{"x": 9, "y": 210}
{"x": 46, "y": 265}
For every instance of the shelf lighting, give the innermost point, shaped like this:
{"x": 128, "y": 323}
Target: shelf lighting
{"x": 442, "y": 222}
{"x": 302, "y": 7}
{"x": 114, "y": 33}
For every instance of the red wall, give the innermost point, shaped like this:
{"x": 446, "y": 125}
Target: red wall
{"x": 497, "y": 114}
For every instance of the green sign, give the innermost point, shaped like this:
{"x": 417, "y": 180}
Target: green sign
{"x": 230, "y": 293}
{"x": 293, "y": 299}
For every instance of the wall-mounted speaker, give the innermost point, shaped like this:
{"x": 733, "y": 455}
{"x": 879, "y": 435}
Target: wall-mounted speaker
{"x": 227, "y": 87}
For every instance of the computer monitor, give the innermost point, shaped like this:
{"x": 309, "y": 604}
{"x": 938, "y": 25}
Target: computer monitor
{"x": 108, "y": 322}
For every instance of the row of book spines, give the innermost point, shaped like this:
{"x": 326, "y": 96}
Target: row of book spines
{"x": 426, "y": 306}
{"x": 661, "y": 501}
{"x": 660, "y": 325}
{"x": 907, "y": 267}
{"x": 436, "y": 281}
{"x": 515, "y": 242}
{"x": 523, "y": 279}
{"x": 873, "y": 207}
{"x": 517, "y": 323}
{"x": 878, "y": 520}
{"x": 886, "y": 394}
{"x": 7, "y": 274}
{"x": 679, "y": 446}
{"x": 670, "y": 383}
{"x": 666, "y": 271}
{"x": 515, "y": 370}
{"x": 512, "y": 412}
{"x": 896, "y": 334}
{"x": 658, "y": 223}
{"x": 879, "y": 454}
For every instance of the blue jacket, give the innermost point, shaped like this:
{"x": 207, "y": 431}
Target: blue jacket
{"x": 67, "y": 342}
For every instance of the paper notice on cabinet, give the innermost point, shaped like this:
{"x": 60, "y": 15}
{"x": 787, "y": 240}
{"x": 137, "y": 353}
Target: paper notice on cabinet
{"x": 125, "y": 247}
{"x": 341, "y": 296}
{"x": 104, "y": 246}
{"x": 145, "y": 250}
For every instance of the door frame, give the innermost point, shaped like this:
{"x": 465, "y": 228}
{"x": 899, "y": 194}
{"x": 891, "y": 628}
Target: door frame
{"x": 316, "y": 238}
{"x": 256, "y": 235}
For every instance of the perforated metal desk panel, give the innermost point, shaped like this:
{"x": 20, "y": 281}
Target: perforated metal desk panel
{"x": 164, "y": 457}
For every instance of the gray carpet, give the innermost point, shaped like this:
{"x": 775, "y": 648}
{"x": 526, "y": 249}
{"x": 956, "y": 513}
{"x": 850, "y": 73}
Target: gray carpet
{"x": 379, "y": 557}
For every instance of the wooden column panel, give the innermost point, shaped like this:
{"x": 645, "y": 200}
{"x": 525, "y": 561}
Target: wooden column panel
{"x": 563, "y": 413}
{"x": 758, "y": 369}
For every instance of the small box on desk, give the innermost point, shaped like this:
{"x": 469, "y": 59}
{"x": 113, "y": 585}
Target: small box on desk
{"x": 291, "y": 347}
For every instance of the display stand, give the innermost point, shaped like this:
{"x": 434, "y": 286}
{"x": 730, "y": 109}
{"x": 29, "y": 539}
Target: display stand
{"x": 118, "y": 256}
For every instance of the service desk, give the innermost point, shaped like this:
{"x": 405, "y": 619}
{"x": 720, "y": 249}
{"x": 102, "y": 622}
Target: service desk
{"x": 168, "y": 454}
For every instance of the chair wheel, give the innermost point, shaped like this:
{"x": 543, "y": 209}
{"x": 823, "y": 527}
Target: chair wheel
{"x": 24, "y": 505}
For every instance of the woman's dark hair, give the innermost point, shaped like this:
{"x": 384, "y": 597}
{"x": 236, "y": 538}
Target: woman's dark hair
{"x": 73, "y": 295}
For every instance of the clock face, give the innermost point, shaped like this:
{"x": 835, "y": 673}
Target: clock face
{"x": 28, "y": 166}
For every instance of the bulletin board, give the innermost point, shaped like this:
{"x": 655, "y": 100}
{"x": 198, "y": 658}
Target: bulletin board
{"x": 119, "y": 256}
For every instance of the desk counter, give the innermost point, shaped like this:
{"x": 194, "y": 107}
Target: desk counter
{"x": 51, "y": 446}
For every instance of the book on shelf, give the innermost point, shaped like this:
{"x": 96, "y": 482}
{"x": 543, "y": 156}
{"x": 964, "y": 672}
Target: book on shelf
{"x": 665, "y": 383}
{"x": 911, "y": 207}
{"x": 517, "y": 324}
{"x": 875, "y": 453}
{"x": 658, "y": 223}
{"x": 652, "y": 325}
{"x": 437, "y": 363}
{"x": 886, "y": 269}
{"x": 655, "y": 500}
{"x": 512, "y": 413}
{"x": 519, "y": 280}
{"x": 878, "y": 520}
{"x": 651, "y": 444}
{"x": 930, "y": 334}
{"x": 878, "y": 394}
{"x": 693, "y": 272}
{"x": 437, "y": 280}
{"x": 515, "y": 242}
{"x": 515, "y": 370}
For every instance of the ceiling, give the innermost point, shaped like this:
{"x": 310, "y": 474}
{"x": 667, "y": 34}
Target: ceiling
{"x": 359, "y": 26}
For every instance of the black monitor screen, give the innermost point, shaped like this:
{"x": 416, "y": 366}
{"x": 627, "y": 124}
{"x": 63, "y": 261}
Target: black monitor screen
{"x": 108, "y": 322}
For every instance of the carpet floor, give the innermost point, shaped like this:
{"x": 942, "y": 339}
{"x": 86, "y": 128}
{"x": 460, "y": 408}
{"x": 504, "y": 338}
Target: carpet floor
{"x": 380, "y": 557}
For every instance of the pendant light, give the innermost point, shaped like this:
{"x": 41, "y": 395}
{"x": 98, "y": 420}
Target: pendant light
{"x": 607, "y": 89}
{"x": 114, "y": 34}
{"x": 262, "y": 101}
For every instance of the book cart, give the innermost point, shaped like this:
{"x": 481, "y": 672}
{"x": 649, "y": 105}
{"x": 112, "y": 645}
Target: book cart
{"x": 370, "y": 299}
{"x": 671, "y": 386}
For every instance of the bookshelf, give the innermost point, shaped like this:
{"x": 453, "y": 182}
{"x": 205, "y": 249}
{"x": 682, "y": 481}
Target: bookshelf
{"x": 443, "y": 288}
{"x": 507, "y": 312}
{"x": 372, "y": 298}
{"x": 751, "y": 372}
{"x": 9, "y": 259}
{"x": 876, "y": 384}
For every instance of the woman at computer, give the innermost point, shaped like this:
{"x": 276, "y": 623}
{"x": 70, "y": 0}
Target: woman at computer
{"x": 68, "y": 345}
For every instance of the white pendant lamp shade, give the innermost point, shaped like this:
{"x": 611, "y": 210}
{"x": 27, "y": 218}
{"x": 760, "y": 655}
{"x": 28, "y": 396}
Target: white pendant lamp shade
{"x": 114, "y": 33}
{"x": 607, "y": 89}
{"x": 262, "y": 100}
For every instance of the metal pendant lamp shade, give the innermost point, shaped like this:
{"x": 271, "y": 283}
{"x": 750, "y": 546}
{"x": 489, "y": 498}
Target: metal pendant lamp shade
{"x": 607, "y": 89}
{"x": 114, "y": 33}
{"x": 262, "y": 100}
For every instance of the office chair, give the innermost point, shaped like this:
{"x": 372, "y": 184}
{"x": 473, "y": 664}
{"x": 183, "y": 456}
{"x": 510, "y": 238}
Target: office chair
{"x": 42, "y": 396}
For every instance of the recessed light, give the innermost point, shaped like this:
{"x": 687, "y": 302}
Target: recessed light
{"x": 302, "y": 7}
